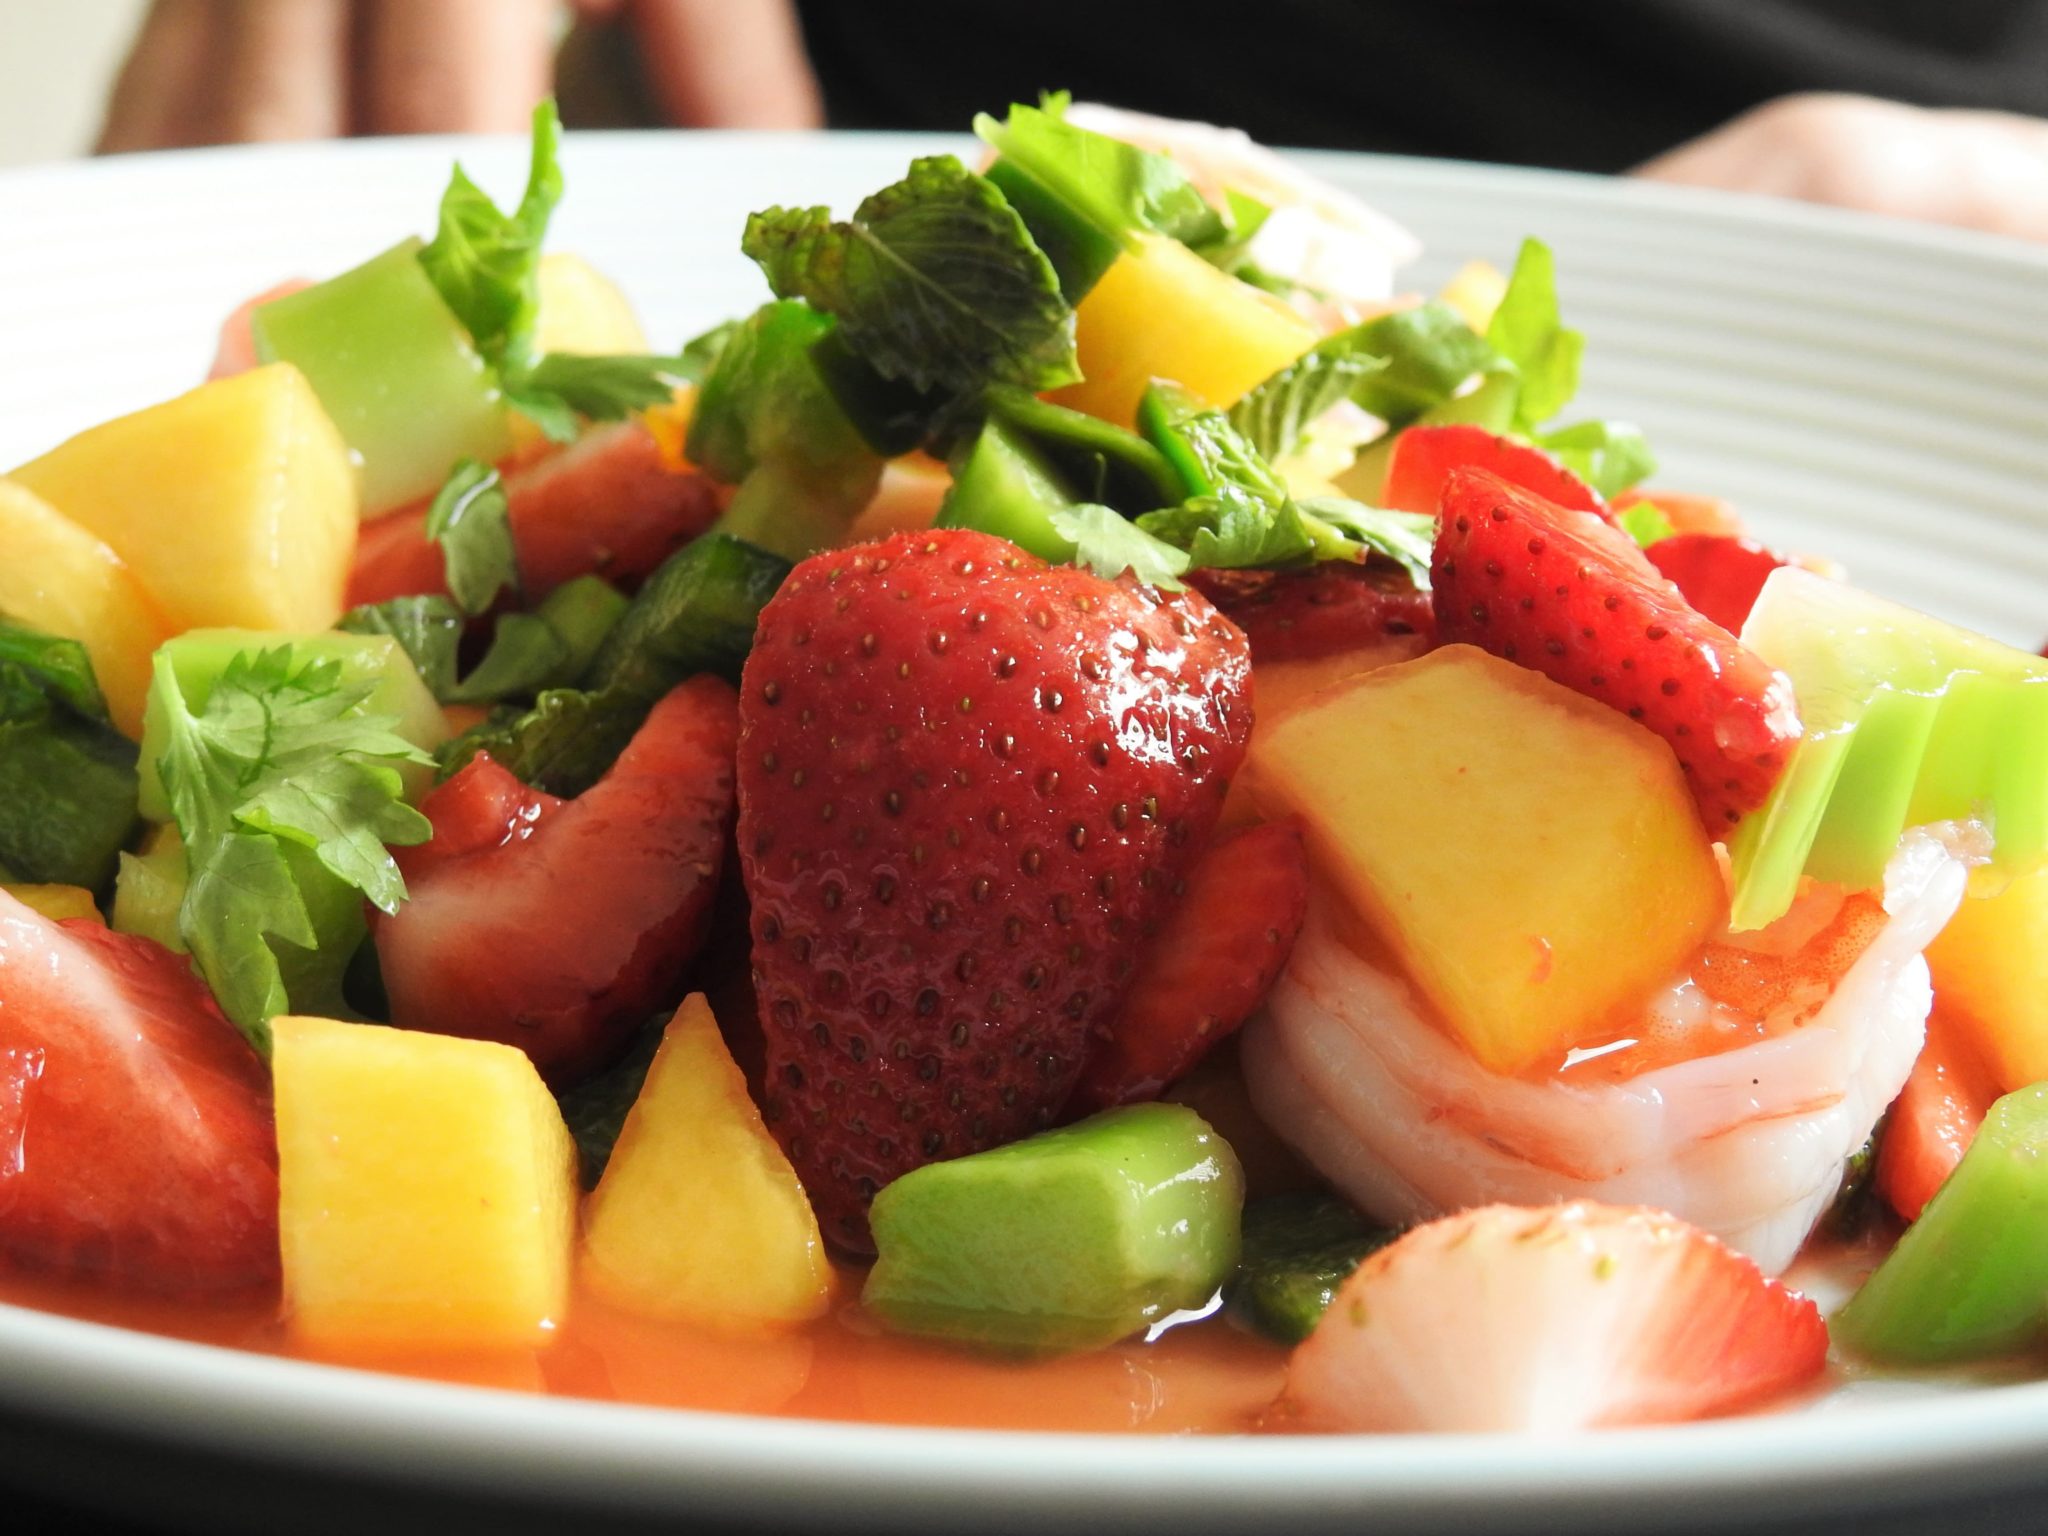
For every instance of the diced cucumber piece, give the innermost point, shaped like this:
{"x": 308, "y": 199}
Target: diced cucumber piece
{"x": 395, "y": 369}
{"x": 1298, "y": 1248}
{"x": 200, "y": 656}
{"x": 1970, "y": 1277}
{"x": 1908, "y": 720}
{"x": 1491, "y": 406}
{"x": 1004, "y": 486}
{"x": 1069, "y": 1240}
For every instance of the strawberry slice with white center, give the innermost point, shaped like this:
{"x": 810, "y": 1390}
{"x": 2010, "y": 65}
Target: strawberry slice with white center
{"x": 1557, "y": 1318}
{"x": 136, "y": 1140}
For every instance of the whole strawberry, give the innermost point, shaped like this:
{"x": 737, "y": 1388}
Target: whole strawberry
{"x": 1572, "y": 597}
{"x": 969, "y": 782}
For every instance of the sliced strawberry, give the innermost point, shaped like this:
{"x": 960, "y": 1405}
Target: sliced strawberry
{"x": 609, "y": 504}
{"x": 968, "y": 783}
{"x": 1719, "y": 574}
{"x": 559, "y": 925}
{"x": 1565, "y": 1317}
{"x": 1307, "y": 615}
{"x": 236, "y": 352}
{"x": 1424, "y": 457}
{"x": 1218, "y": 954}
{"x": 136, "y": 1140}
{"x": 1933, "y": 1121}
{"x": 1573, "y": 597}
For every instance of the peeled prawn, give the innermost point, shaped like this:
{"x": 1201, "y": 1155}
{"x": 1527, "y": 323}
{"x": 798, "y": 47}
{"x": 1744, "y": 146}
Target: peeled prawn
{"x": 1746, "y": 1140}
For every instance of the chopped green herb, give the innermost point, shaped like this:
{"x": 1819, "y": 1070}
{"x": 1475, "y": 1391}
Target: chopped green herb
{"x": 1298, "y": 1249}
{"x": 470, "y": 519}
{"x": 1646, "y": 523}
{"x": 1610, "y": 456}
{"x": 1534, "y": 341}
{"x": 68, "y": 780}
{"x": 1108, "y": 544}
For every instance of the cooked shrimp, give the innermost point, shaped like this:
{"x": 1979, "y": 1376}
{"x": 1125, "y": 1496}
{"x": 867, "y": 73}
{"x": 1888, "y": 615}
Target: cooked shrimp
{"x": 1734, "y": 1105}
{"x": 1318, "y": 235}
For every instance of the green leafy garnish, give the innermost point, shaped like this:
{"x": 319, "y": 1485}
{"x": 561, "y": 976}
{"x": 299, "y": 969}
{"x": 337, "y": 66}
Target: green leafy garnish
{"x": 1103, "y": 462}
{"x": 470, "y": 520}
{"x": 1531, "y": 338}
{"x": 1298, "y": 1248}
{"x": 281, "y": 754}
{"x": 1645, "y": 522}
{"x": 1610, "y": 456}
{"x": 564, "y": 386}
{"x": 486, "y": 263}
{"x": 1115, "y": 187}
{"x": 67, "y": 778}
{"x": 1110, "y": 544}
{"x": 934, "y": 282}
{"x": 595, "y": 1109}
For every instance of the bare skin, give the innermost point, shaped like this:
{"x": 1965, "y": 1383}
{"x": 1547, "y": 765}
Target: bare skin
{"x": 234, "y": 71}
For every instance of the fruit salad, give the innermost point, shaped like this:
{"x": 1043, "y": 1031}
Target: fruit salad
{"x": 1096, "y": 816}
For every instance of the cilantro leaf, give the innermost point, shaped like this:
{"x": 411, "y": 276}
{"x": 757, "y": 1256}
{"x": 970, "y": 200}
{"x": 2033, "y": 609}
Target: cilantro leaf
{"x": 1108, "y": 544}
{"x": 1533, "y": 340}
{"x": 1116, "y": 187}
{"x": 282, "y": 756}
{"x": 1406, "y": 538}
{"x": 1610, "y": 456}
{"x": 486, "y": 263}
{"x": 1233, "y": 532}
{"x": 935, "y": 282}
{"x": 471, "y": 521}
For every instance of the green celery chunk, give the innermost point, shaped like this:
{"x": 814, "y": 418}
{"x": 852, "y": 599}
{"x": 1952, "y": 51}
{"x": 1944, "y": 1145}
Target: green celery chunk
{"x": 1069, "y": 1240}
{"x": 395, "y": 369}
{"x": 1970, "y": 1277}
{"x": 1298, "y": 1248}
{"x": 1907, "y": 721}
{"x": 200, "y": 656}
{"x": 1004, "y": 486}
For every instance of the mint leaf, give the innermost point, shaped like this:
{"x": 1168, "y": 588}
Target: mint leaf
{"x": 48, "y": 665}
{"x": 564, "y": 388}
{"x": 67, "y": 777}
{"x": 1610, "y": 456}
{"x": 1275, "y": 416}
{"x": 526, "y": 655}
{"x": 1233, "y": 532}
{"x": 934, "y": 282}
{"x": 764, "y": 400}
{"x": 1109, "y": 545}
{"x": 471, "y": 521}
{"x": 595, "y": 1109}
{"x": 1533, "y": 340}
{"x": 486, "y": 263}
{"x": 563, "y": 743}
{"x": 1406, "y": 538}
{"x": 1646, "y": 523}
{"x": 1116, "y": 187}
{"x": 282, "y": 754}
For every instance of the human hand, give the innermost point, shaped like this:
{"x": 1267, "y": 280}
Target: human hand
{"x": 234, "y": 71}
{"x": 1979, "y": 170}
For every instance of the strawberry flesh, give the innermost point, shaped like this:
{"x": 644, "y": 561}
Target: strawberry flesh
{"x": 1719, "y": 574}
{"x": 968, "y": 783}
{"x": 1424, "y": 457}
{"x": 1558, "y": 1318}
{"x": 1572, "y": 597}
{"x": 1220, "y": 950}
{"x": 137, "y": 1146}
{"x": 1328, "y": 608}
{"x": 559, "y": 925}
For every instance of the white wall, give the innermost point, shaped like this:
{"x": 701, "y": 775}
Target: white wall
{"x": 57, "y": 58}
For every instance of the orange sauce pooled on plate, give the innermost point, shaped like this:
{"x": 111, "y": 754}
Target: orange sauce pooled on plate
{"x": 1206, "y": 1376}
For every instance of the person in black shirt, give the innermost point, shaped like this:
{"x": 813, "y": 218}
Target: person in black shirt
{"x": 1897, "y": 106}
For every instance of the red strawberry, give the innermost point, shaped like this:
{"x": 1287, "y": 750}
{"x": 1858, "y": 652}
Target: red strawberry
{"x": 1934, "y": 1119}
{"x": 1566, "y": 1317}
{"x": 558, "y": 925}
{"x": 608, "y": 504}
{"x": 968, "y": 781}
{"x": 1218, "y": 954}
{"x": 1308, "y": 614}
{"x": 1424, "y": 457}
{"x": 136, "y": 1140}
{"x": 1573, "y": 597}
{"x": 1719, "y": 574}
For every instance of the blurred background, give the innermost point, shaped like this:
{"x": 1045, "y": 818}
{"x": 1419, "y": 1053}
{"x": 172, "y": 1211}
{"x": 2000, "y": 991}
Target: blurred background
{"x": 57, "y": 59}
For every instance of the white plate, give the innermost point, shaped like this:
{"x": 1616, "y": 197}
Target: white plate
{"x": 1872, "y": 391}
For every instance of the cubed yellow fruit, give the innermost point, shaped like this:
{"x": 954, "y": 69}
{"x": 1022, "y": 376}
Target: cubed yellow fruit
{"x": 1991, "y": 977}
{"x": 426, "y": 1189}
{"x": 1475, "y": 291}
{"x": 56, "y": 577}
{"x": 699, "y": 1216}
{"x": 1531, "y": 857}
{"x": 56, "y": 902}
{"x": 583, "y": 311}
{"x": 234, "y": 504}
{"x": 1161, "y": 311}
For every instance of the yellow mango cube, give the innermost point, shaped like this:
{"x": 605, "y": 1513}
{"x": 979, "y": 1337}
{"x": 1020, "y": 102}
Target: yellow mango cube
{"x": 426, "y": 1189}
{"x": 1161, "y": 311}
{"x": 699, "y": 1215}
{"x": 234, "y": 504}
{"x": 1475, "y": 291}
{"x": 582, "y": 311}
{"x": 1531, "y": 857}
{"x": 57, "y": 902}
{"x": 56, "y": 577}
{"x": 1990, "y": 969}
